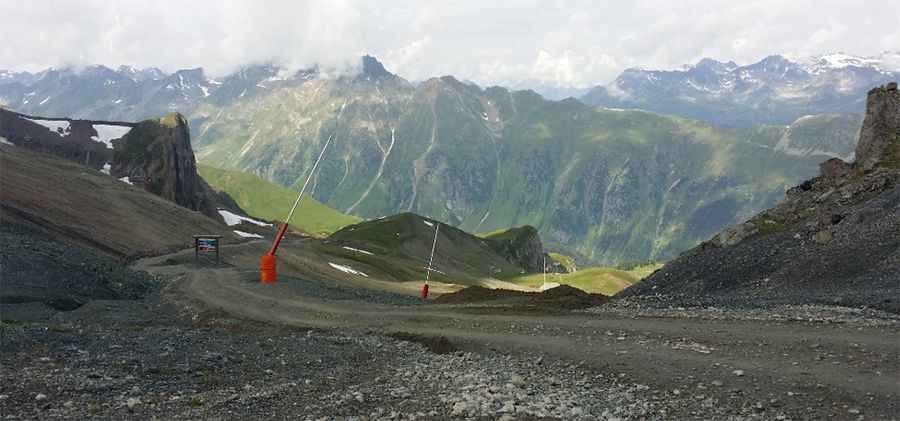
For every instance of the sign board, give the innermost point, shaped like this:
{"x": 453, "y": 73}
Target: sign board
{"x": 206, "y": 244}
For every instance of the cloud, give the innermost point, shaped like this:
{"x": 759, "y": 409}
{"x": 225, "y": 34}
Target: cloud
{"x": 572, "y": 42}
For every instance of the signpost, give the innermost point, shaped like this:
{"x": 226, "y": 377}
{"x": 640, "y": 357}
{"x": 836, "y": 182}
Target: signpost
{"x": 206, "y": 244}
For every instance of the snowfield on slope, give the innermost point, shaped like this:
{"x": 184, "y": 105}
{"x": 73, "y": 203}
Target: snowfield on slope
{"x": 62, "y": 127}
{"x": 106, "y": 133}
{"x": 347, "y": 269}
{"x": 235, "y": 219}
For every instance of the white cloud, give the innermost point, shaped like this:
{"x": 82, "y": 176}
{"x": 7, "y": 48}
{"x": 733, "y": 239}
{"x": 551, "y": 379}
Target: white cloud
{"x": 574, "y": 42}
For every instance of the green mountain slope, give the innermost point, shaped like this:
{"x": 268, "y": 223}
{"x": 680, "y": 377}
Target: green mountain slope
{"x": 265, "y": 200}
{"x": 610, "y": 185}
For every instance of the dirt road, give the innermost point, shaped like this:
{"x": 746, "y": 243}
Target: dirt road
{"x": 694, "y": 366}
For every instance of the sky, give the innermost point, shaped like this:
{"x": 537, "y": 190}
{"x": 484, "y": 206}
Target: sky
{"x": 567, "y": 43}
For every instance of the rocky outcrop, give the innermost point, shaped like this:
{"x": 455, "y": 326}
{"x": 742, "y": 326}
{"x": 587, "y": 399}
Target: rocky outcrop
{"x": 153, "y": 154}
{"x": 834, "y": 168}
{"x": 520, "y": 246}
{"x": 880, "y": 134}
{"x": 834, "y": 239}
{"x": 158, "y": 155}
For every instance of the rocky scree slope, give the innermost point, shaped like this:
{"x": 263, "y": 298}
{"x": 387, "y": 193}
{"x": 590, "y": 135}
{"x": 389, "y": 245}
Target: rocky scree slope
{"x": 155, "y": 155}
{"x": 835, "y": 239}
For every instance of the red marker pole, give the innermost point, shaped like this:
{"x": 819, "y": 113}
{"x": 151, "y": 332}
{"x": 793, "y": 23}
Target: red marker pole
{"x": 267, "y": 262}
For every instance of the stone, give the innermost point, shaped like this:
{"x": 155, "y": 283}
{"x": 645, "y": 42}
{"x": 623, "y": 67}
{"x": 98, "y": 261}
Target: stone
{"x": 738, "y": 373}
{"x": 131, "y": 403}
{"x": 459, "y": 408}
{"x": 823, "y": 237}
{"x": 834, "y": 168}
{"x": 517, "y": 380}
{"x": 40, "y": 397}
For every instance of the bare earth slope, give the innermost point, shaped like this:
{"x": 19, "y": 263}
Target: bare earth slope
{"x": 81, "y": 205}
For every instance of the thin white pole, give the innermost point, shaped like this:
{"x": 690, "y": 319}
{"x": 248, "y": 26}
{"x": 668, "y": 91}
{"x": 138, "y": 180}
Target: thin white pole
{"x": 437, "y": 226}
{"x": 544, "y": 267}
{"x": 308, "y": 177}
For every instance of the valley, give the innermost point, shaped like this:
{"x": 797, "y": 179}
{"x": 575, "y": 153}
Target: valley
{"x": 612, "y": 186}
{"x": 462, "y": 253}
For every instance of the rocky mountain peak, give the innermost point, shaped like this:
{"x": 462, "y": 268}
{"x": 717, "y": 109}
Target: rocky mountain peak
{"x": 708, "y": 64}
{"x": 371, "y": 67}
{"x": 879, "y": 138}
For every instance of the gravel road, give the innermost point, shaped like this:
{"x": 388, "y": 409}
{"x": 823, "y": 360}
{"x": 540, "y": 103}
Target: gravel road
{"x": 215, "y": 344}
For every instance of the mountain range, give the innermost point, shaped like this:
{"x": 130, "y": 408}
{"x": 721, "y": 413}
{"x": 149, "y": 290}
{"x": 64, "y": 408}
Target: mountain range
{"x": 774, "y": 90}
{"x": 607, "y": 184}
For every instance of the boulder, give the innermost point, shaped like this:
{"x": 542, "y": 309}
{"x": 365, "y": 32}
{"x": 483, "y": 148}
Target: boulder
{"x": 834, "y": 168}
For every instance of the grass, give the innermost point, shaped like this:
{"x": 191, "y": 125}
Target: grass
{"x": 566, "y": 261}
{"x": 265, "y": 200}
{"x": 595, "y": 280}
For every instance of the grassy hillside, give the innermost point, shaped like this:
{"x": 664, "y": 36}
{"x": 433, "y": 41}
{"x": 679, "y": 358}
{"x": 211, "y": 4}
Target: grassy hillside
{"x": 613, "y": 186}
{"x": 597, "y": 280}
{"x": 266, "y": 200}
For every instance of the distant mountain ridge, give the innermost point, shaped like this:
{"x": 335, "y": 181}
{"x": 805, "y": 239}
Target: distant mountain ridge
{"x": 610, "y": 185}
{"x": 774, "y": 90}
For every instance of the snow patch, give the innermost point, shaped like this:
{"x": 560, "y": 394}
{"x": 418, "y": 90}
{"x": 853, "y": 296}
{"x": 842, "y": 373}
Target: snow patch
{"x": 247, "y": 234}
{"x": 428, "y": 223}
{"x": 235, "y": 219}
{"x": 126, "y": 180}
{"x": 106, "y": 168}
{"x": 347, "y": 269}
{"x": 61, "y": 127}
{"x": 106, "y": 133}
{"x": 44, "y": 101}
{"x": 5, "y": 142}
{"x": 357, "y": 250}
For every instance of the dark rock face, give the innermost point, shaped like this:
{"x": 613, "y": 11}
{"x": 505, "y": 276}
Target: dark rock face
{"x": 835, "y": 239}
{"x": 521, "y": 246}
{"x": 153, "y": 154}
{"x": 881, "y": 128}
{"x": 159, "y": 153}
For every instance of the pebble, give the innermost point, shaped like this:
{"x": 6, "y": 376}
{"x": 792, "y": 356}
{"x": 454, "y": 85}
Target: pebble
{"x": 517, "y": 380}
{"x": 132, "y": 402}
{"x": 738, "y": 373}
{"x": 40, "y": 397}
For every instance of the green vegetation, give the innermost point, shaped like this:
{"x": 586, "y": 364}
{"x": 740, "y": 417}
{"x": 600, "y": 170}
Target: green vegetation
{"x": 610, "y": 185}
{"x": 171, "y": 120}
{"x": 265, "y": 200}
{"x": 596, "y": 280}
{"x": 565, "y": 261}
